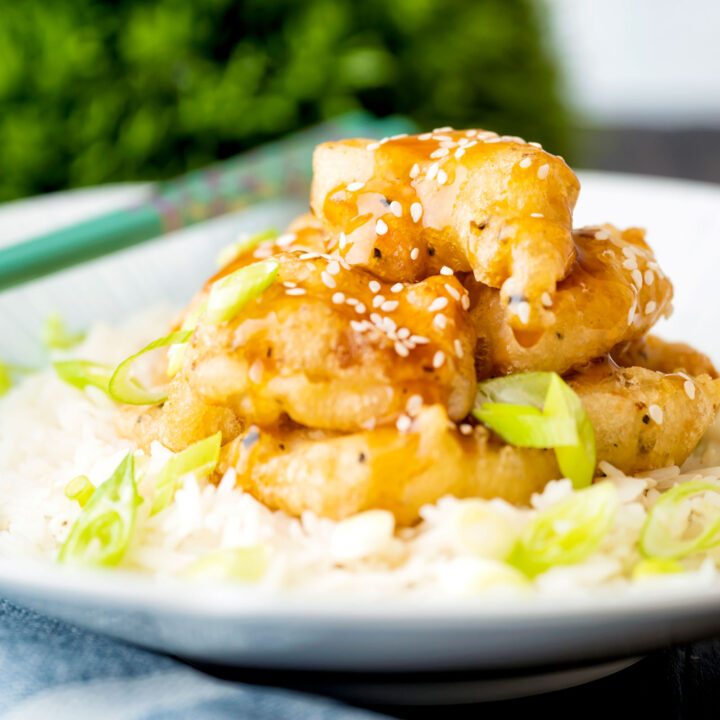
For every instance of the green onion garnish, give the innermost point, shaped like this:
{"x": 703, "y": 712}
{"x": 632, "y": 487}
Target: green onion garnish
{"x": 101, "y": 534}
{"x": 201, "y": 458}
{"x": 665, "y": 532}
{"x": 246, "y": 564}
{"x": 81, "y": 373}
{"x": 56, "y": 336}
{"x": 176, "y": 352}
{"x": 568, "y": 532}
{"x": 80, "y": 489}
{"x": 229, "y": 294}
{"x": 539, "y": 409}
{"x": 244, "y": 244}
{"x": 8, "y": 373}
{"x": 124, "y": 388}
{"x": 651, "y": 567}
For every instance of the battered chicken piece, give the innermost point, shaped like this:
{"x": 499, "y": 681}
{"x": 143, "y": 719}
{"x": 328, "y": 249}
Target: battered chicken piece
{"x": 330, "y": 347}
{"x": 644, "y": 419}
{"x": 337, "y": 475}
{"x": 614, "y": 293}
{"x": 471, "y": 200}
{"x": 655, "y": 354}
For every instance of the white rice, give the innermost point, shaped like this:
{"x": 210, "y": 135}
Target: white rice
{"x": 51, "y": 432}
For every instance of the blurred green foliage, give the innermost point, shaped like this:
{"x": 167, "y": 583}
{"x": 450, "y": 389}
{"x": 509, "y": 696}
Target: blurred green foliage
{"x": 93, "y": 91}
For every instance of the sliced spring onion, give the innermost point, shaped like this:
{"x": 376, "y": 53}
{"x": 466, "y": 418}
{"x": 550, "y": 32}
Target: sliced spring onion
{"x": 176, "y": 352}
{"x": 201, "y": 458}
{"x": 124, "y": 388}
{"x": 244, "y": 244}
{"x": 5, "y": 379}
{"x": 567, "y": 532}
{"x": 81, "y": 373}
{"x": 229, "y": 294}
{"x": 539, "y": 409}
{"x": 247, "y": 564}
{"x": 102, "y": 532}
{"x": 651, "y": 567}
{"x": 526, "y": 426}
{"x": 81, "y": 489}
{"x": 665, "y": 532}
{"x": 56, "y": 336}
{"x": 482, "y": 531}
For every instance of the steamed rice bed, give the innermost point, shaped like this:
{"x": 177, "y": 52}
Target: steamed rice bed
{"x": 51, "y": 432}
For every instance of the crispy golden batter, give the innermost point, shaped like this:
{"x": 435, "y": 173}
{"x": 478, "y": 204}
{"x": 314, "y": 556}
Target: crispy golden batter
{"x": 329, "y": 347}
{"x": 470, "y": 200}
{"x": 645, "y": 419}
{"x": 655, "y": 354}
{"x": 614, "y": 293}
{"x": 336, "y": 475}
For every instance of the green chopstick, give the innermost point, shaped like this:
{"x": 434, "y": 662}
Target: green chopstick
{"x": 278, "y": 169}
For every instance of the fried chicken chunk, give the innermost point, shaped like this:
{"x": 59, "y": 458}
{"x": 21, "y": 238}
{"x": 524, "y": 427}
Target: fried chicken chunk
{"x": 329, "y": 347}
{"x": 614, "y": 293}
{"x": 654, "y": 353}
{"x": 471, "y": 200}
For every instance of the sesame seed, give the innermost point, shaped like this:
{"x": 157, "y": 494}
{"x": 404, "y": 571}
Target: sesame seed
{"x": 351, "y": 301}
{"x": 432, "y": 171}
{"x": 403, "y": 333}
{"x": 378, "y": 300}
{"x": 438, "y": 359}
{"x": 656, "y": 413}
{"x": 465, "y": 302}
{"x": 398, "y": 136}
{"x": 536, "y": 144}
{"x": 397, "y": 287}
{"x": 375, "y": 319}
{"x": 458, "y": 348}
{"x": 526, "y": 162}
{"x": 255, "y": 372}
{"x": 445, "y": 270}
{"x": 389, "y": 305}
{"x": 360, "y": 308}
{"x": 602, "y": 235}
{"x": 445, "y": 128}
{"x": 414, "y": 170}
{"x": 263, "y": 252}
{"x": 373, "y": 146}
{"x": 630, "y": 263}
{"x": 295, "y": 291}
{"x": 459, "y": 153}
{"x": 403, "y": 423}
{"x": 689, "y": 387}
{"x": 453, "y": 292}
{"x": 537, "y": 215}
{"x": 368, "y": 424}
{"x": 285, "y": 239}
{"x": 545, "y": 299}
{"x": 543, "y": 171}
{"x": 466, "y": 428}
{"x": 289, "y": 284}
{"x": 396, "y": 208}
{"x": 440, "y": 321}
{"x": 381, "y": 227}
{"x": 333, "y": 267}
{"x": 342, "y": 241}
{"x": 414, "y": 254}
{"x": 309, "y": 256}
{"x": 649, "y": 277}
{"x": 416, "y": 211}
{"x": 374, "y": 286}
{"x": 425, "y": 136}
{"x": 414, "y": 404}
{"x": 352, "y": 187}
{"x": 438, "y": 304}
{"x": 650, "y": 307}
{"x": 471, "y": 133}
{"x": 388, "y": 325}
{"x": 419, "y": 339}
{"x": 328, "y": 279}
{"x": 400, "y": 349}
{"x": 442, "y": 177}
{"x": 338, "y": 298}
{"x": 358, "y": 326}
{"x": 523, "y": 312}
{"x": 637, "y": 278}
{"x": 440, "y": 152}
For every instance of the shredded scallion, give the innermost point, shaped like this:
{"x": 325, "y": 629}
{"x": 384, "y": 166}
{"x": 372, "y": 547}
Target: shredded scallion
{"x": 229, "y": 294}
{"x": 244, "y": 244}
{"x": 56, "y": 336}
{"x": 81, "y": 373}
{"x": 81, "y": 489}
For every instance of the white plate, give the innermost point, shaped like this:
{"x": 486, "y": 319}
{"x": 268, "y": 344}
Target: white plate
{"x": 239, "y": 626}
